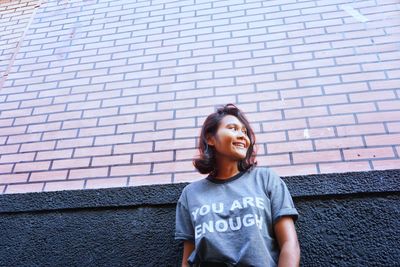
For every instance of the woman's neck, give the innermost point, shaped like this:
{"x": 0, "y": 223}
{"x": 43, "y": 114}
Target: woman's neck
{"x": 227, "y": 170}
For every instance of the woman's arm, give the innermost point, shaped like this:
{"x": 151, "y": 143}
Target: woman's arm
{"x": 188, "y": 247}
{"x": 287, "y": 239}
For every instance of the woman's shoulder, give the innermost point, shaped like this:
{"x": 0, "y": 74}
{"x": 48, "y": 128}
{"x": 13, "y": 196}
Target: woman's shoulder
{"x": 195, "y": 185}
{"x": 261, "y": 170}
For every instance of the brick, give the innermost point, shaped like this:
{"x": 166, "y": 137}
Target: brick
{"x": 331, "y": 120}
{"x": 344, "y": 167}
{"x": 368, "y": 153}
{"x": 388, "y": 84}
{"x": 122, "y": 119}
{"x": 311, "y": 133}
{"x": 295, "y": 74}
{"x": 177, "y": 166}
{"x": 113, "y": 139}
{"x": 360, "y": 129}
{"x": 14, "y": 178}
{"x": 130, "y": 170}
{"x": 151, "y": 179}
{"x": 153, "y": 157}
{"x": 344, "y": 142}
{"x": 284, "y": 125}
{"x": 176, "y": 104}
{"x": 102, "y": 112}
{"x": 225, "y": 73}
{"x": 24, "y": 138}
{"x": 393, "y": 127}
{"x": 12, "y": 130}
{"x": 48, "y": 176}
{"x": 194, "y": 112}
{"x": 14, "y": 158}
{"x": 356, "y": 59}
{"x": 6, "y": 168}
{"x": 270, "y": 137}
{"x": 106, "y": 183}
{"x": 273, "y": 160}
{"x": 175, "y": 144}
{"x": 32, "y": 166}
{"x": 111, "y": 160}
{"x": 325, "y": 100}
{"x": 37, "y": 146}
{"x": 195, "y": 60}
{"x": 35, "y": 103}
{"x": 186, "y": 154}
{"x": 237, "y": 90}
{"x": 104, "y": 94}
{"x": 133, "y": 148}
{"x": 135, "y": 127}
{"x": 379, "y": 116}
{"x": 352, "y": 108}
{"x": 291, "y": 57}
{"x": 319, "y": 81}
{"x": 79, "y": 123}
{"x": 63, "y": 185}
{"x": 64, "y": 116}
{"x": 345, "y": 88}
{"x": 49, "y": 109}
{"x": 264, "y": 116}
{"x": 59, "y": 134}
{"x": 380, "y": 140}
{"x": 289, "y": 147}
{"x": 157, "y": 81}
{"x": 386, "y": 164}
{"x": 176, "y": 123}
{"x": 295, "y": 170}
{"x": 313, "y": 63}
{"x": 76, "y": 142}
{"x": 387, "y": 65}
{"x": 70, "y": 163}
{"x": 316, "y": 156}
{"x": 185, "y": 133}
{"x": 150, "y": 116}
{"x": 339, "y": 69}
{"x": 159, "y": 96}
{"x": 24, "y": 188}
{"x": 372, "y": 96}
{"x": 300, "y": 92}
{"x": 305, "y": 112}
{"x": 88, "y": 173}
{"x": 16, "y": 113}
{"x": 363, "y": 76}
{"x": 219, "y": 100}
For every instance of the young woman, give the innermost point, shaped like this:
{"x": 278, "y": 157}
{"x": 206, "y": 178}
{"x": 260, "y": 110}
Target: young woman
{"x": 240, "y": 215}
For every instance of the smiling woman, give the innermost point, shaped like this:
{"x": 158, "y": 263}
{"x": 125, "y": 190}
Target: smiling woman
{"x": 240, "y": 215}
{"x": 226, "y": 134}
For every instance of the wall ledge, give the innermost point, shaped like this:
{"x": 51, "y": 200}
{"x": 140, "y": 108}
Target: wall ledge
{"x": 305, "y": 186}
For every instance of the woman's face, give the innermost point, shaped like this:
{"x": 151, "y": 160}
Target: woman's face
{"x": 231, "y": 140}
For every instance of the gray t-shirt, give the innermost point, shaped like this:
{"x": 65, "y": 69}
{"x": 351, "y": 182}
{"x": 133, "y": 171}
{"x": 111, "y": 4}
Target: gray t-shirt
{"x": 232, "y": 220}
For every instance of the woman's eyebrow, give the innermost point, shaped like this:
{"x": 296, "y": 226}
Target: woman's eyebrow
{"x": 235, "y": 124}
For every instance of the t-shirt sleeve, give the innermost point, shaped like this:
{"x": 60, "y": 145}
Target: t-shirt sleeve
{"x": 281, "y": 200}
{"x": 183, "y": 224}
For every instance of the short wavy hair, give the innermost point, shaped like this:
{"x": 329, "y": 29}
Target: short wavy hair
{"x": 206, "y": 163}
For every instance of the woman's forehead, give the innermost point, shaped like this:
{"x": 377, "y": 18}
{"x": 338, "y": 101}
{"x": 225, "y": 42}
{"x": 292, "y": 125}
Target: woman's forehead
{"x": 230, "y": 119}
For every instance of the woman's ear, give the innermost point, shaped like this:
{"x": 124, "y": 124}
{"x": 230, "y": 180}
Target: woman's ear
{"x": 210, "y": 140}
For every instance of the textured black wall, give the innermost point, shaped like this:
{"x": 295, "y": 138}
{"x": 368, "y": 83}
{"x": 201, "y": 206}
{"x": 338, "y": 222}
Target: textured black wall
{"x": 349, "y": 219}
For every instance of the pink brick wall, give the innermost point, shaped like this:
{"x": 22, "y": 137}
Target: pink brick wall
{"x": 113, "y": 93}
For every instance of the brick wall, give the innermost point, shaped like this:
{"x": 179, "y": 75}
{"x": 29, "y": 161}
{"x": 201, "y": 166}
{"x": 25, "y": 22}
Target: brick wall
{"x": 113, "y": 93}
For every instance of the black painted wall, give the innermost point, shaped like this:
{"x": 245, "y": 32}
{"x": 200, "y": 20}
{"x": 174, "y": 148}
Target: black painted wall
{"x": 349, "y": 219}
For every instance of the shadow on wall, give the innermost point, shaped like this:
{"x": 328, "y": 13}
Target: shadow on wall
{"x": 349, "y": 219}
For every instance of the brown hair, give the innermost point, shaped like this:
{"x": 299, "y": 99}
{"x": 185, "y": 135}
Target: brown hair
{"x": 206, "y": 163}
